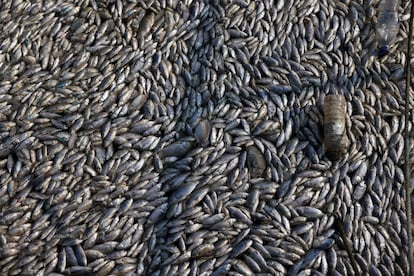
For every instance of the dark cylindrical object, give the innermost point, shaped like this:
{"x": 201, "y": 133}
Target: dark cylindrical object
{"x": 335, "y": 141}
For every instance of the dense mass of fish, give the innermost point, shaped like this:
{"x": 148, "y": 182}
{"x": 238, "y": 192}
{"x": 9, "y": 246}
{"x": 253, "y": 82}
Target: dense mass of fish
{"x": 186, "y": 138}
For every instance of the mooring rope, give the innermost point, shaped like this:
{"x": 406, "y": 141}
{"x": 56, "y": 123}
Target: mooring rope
{"x": 348, "y": 246}
{"x": 407, "y": 147}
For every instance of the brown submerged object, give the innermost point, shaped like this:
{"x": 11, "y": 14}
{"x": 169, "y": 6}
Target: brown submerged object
{"x": 255, "y": 162}
{"x": 335, "y": 141}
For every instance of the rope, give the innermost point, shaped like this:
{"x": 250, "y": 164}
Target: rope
{"x": 348, "y": 246}
{"x": 407, "y": 147}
